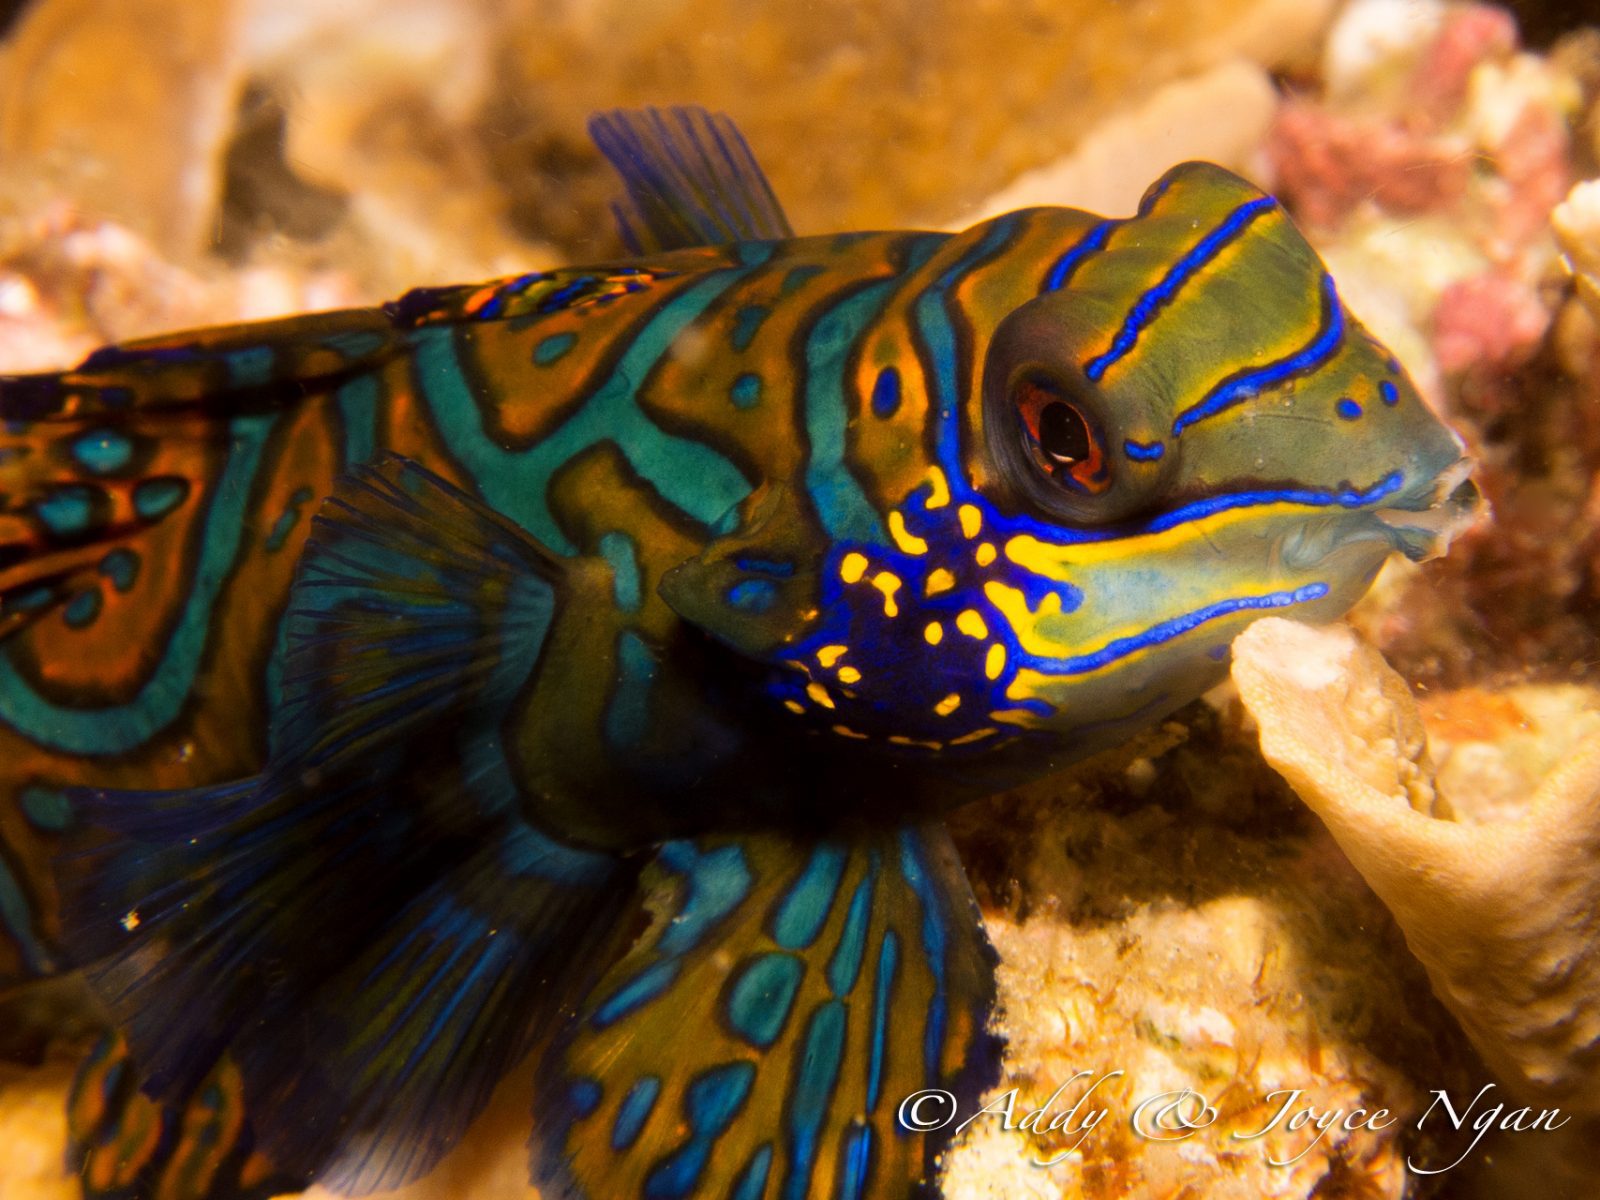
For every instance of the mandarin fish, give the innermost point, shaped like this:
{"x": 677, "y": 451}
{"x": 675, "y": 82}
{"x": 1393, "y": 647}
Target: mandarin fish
{"x": 569, "y": 675}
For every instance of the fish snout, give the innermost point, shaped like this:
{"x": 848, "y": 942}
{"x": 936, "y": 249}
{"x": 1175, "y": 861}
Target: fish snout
{"x": 1455, "y": 505}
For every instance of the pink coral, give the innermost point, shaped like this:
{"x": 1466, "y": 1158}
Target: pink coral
{"x": 1469, "y": 35}
{"x": 1327, "y": 163}
{"x": 1491, "y": 322}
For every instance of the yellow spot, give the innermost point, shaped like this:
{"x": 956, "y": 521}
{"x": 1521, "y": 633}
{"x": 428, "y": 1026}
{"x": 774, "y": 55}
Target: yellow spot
{"x": 986, "y": 553}
{"x": 888, "y": 583}
{"x": 795, "y": 706}
{"x": 1016, "y": 716}
{"x": 849, "y": 675}
{"x": 131, "y": 921}
{"x": 995, "y": 662}
{"x": 940, "y": 581}
{"x": 1042, "y": 631}
{"x": 820, "y": 694}
{"x": 971, "y": 520}
{"x": 977, "y": 735}
{"x": 903, "y": 537}
{"x": 829, "y": 655}
{"x": 852, "y": 567}
{"x": 846, "y": 731}
{"x": 934, "y": 633}
{"x": 900, "y": 739}
{"x": 939, "y": 493}
{"x": 972, "y": 624}
{"x": 948, "y": 705}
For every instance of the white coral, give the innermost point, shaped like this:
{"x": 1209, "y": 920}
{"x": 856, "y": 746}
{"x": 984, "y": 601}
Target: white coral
{"x": 1505, "y": 916}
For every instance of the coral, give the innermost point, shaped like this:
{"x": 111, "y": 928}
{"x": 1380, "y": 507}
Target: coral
{"x": 925, "y": 107}
{"x": 1505, "y": 915}
{"x": 1577, "y": 226}
{"x": 33, "y": 1130}
{"x": 1114, "y": 163}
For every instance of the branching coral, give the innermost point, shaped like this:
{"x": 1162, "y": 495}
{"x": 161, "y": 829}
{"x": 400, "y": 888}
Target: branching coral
{"x": 1505, "y": 916}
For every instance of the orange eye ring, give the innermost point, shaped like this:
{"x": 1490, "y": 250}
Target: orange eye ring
{"x": 1062, "y": 441}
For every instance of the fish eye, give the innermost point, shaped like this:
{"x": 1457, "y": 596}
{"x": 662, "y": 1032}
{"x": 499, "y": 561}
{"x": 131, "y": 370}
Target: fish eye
{"x": 1059, "y": 437}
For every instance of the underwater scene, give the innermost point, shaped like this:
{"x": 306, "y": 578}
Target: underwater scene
{"x": 847, "y": 600}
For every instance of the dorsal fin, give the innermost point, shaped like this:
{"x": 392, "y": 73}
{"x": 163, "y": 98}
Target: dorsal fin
{"x": 690, "y": 177}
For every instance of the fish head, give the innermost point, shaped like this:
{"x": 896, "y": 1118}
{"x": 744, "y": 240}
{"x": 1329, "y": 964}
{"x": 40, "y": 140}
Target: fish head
{"x": 1189, "y": 433}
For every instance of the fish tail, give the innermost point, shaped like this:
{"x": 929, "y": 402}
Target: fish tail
{"x": 760, "y": 1038}
{"x": 370, "y": 976}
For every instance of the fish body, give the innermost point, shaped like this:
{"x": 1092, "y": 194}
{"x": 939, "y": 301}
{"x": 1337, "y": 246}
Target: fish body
{"x": 698, "y": 584}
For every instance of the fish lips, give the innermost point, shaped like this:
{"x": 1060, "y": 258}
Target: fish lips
{"x": 1453, "y": 506}
{"x": 1421, "y": 530}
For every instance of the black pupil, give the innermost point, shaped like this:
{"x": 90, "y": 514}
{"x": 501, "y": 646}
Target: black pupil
{"x": 1063, "y": 435}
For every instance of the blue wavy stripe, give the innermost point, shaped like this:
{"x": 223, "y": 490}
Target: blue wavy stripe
{"x": 1166, "y": 631}
{"x": 1251, "y": 382}
{"x": 1166, "y": 290}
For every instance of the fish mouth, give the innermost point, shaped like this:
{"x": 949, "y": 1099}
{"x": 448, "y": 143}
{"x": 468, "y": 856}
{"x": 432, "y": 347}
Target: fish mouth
{"x": 1455, "y": 506}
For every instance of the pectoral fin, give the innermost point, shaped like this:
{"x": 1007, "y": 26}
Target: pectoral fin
{"x": 755, "y": 589}
{"x": 370, "y": 929}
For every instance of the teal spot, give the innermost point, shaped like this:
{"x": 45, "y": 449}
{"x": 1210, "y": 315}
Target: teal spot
{"x": 250, "y": 368}
{"x": 882, "y": 994}
{"x": 15, "y": 922}
{"x": 155, "y": 498}
{"x": 637, "y": 992}
{"x": 121, "y": 567}
{"x": 46, "y": 808}
{"x": 845, "y": 967}
{"x": 747, "y": 323}
{"x": 856, "y": 1162}
{"x": 553, "y": 347}
{"x": 83, "y": 608}
{"x": 711, "y": 1103}
{"x": 285, "y": 524}
{"x": 619, "y": 552}
{"x": 68, "y": 511}
{"x": 634, "y": 1111}
{"x": 759, "y": 1004}
{"x": 103, "y": 451}
{"x": 35, "y": 599}
{"x": 585, "y": 1096}
{"x": 752, "y": 1184}
{"x": 718, "y": 881}
{"x": 358, "y": 410}
{"x": 753, "y": 595}
{"x": 354, "y": 344}
{"x": 746, "y": 391}
{"x": 804, "y": 909}
{"x": 628, "y": 716}
{"x": 797, "y": 278}
{"x": 819, "y": 1062}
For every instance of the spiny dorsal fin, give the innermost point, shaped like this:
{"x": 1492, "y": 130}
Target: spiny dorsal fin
{"x": 690, "y": 177}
